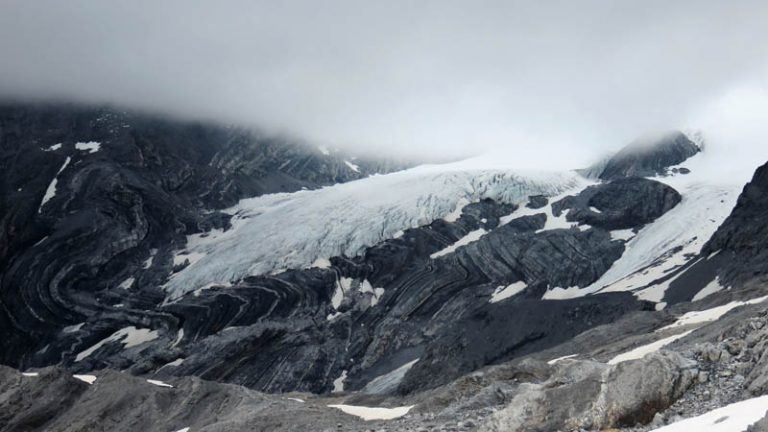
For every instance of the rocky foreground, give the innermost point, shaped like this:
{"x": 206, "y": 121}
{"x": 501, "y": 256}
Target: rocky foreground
{"x": 718, "y": 362}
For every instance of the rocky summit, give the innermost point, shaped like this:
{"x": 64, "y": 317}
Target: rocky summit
{"x": 164, "y": 275}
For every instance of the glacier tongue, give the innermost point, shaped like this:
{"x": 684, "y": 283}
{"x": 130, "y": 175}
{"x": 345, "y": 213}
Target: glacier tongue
{"x": 283, "y": 231}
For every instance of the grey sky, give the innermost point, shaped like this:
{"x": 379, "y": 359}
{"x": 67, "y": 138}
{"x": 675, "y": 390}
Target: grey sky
{"x": 566, "y": 78}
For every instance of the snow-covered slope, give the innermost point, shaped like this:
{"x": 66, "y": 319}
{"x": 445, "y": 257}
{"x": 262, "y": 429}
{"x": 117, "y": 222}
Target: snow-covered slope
{"x": 292, "y": 230}
{"x": 675, "y": 238}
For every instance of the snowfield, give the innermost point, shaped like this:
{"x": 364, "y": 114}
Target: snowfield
{"x": 368, "y": 413}
{"x": 736, "y": 417}
{"x": 295, "y": 230}
{"x": 675, "y": 238}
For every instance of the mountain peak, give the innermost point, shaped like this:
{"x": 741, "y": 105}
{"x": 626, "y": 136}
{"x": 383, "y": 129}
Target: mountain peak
{"x": 648, "y": 156}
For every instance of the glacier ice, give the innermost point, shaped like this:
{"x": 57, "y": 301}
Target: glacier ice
{"x": 272, "y": 233}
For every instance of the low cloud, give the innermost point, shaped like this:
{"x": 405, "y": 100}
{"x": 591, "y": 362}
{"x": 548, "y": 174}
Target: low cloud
{"x": 560, "y": 82}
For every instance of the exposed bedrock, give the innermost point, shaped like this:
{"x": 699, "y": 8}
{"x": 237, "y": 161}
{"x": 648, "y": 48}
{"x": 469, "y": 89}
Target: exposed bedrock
{"x": 497, "y": 333}
{"x": 647, "y": 157}
{"x": 93, "y": 201}
{"x": 594, "y": 396}
{"x": 742, "y": 239}
{"x": 416, "y": 301}
{"x": 620, "y": 204}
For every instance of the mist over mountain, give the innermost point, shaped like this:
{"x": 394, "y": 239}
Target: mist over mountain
{"x": 403, "y": 216}
{"x": 412, "y": 79}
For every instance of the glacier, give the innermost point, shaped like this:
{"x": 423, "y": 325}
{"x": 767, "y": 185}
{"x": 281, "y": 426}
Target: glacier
{"x": 277, "y": 232}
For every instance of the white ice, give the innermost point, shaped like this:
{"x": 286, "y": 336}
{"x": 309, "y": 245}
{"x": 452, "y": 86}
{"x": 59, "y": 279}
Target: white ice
{"x": 294, "y": 229}
{"x": 369, "y": 413}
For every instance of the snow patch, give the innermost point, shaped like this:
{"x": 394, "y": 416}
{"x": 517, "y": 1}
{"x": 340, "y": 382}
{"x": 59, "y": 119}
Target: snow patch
{"x": 670, "y": 242}
{"x": 389, "y": 381}
{"x": 321, "y": 263}
{"x": 711, "y": 288}
{"x": 642, "y": 351}
{"x": 370, "y": 413}
{"x": 90, "y": 146}
{"x": 623, "y": 235}
{"x": 128, "y": 337}
{"x": 148, "y": 262}
{"x": 505, "y": 292}
{"x": 563, "y": 293}
{"x": 90, "y": 379}
{"x": 159, "y": 383}
{"x": 338, "y": 383}
{"x": 472, "y": 236}
{"x": 73, "y": 328}
{"x": 455, "y": 214}
{"x": 30, "y": 374}
{"x": 324, "y": 150}
{"x": 352, "y": 166}
{"x": 127, "y": 283}
{"x": 559, "y": 359}
{"x": 54, "y": 147}
{"x": 736, "y": 417}
{"x": 51, "y": 191}
{"x": 708, "y": 315}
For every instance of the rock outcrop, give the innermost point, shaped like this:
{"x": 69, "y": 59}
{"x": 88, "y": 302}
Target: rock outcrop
{"x": 621, "y": 204}
{"x": 648, "y": 157}
{"x": 593, "y": 396}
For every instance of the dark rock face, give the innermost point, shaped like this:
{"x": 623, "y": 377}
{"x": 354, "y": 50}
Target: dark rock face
{"x": 537, "y": 201}
{"x": 742, "y": 239}
{"x": 647, "y": 158}
{"x": 497, "y": 333}
{"x": 621, "y": 204}
{"x": 283, "y": 332}
{"x": 78, "y": 220}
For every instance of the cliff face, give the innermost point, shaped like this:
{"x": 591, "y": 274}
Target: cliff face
{"x": 88, "y": 196}
{"x": 742, "y": 239}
